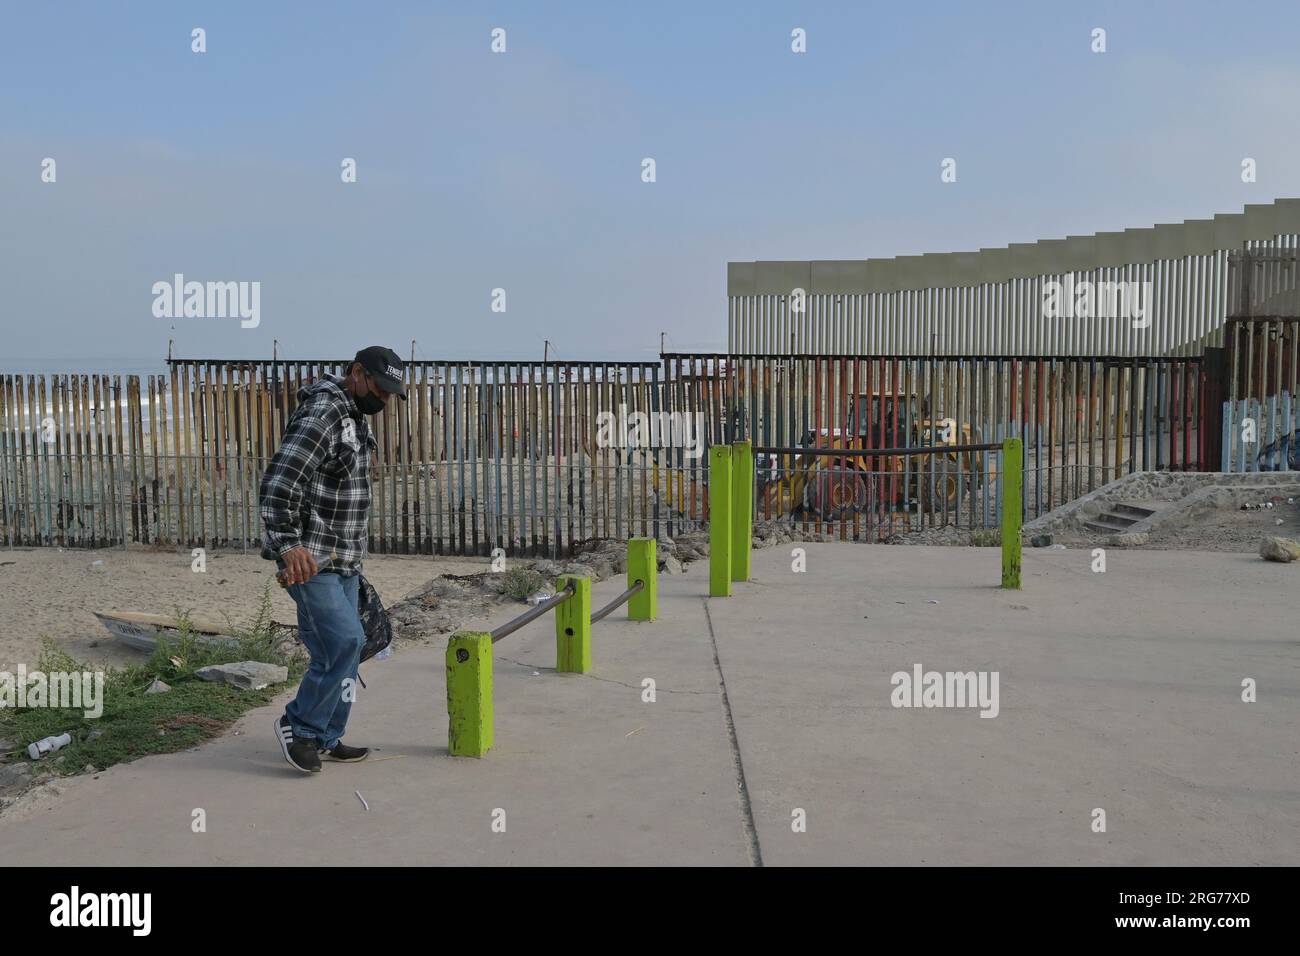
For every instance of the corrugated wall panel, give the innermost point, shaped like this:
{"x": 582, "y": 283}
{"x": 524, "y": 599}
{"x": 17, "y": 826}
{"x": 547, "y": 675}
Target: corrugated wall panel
{"x": 991, "y": 302}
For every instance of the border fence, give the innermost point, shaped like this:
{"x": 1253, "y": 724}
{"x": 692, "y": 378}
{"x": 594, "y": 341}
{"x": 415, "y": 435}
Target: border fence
{"x": 540, "y": 458}
{"x": 883, "y": 370}
{"x": 1163, "y": 290}
{"x": 1260, "y": 368}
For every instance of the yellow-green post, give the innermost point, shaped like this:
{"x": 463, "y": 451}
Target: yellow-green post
{"x": 742, "y": 509}
{"x": 643, "y": 565}
{"x": 720, "y": 459}
{"x": 469, "y": 694}
{"x": 573, "y": 626}
{"x": 1011, "y": 512}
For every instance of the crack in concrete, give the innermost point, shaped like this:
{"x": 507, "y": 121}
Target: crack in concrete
{"x": 746, "y": 808}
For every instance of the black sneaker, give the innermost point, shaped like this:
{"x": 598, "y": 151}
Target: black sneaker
{"x": 345, "y": 754}
{"x": 299, "y": 751}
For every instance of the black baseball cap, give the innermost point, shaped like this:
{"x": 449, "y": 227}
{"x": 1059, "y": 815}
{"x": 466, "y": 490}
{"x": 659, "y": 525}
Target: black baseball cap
{"x": 385, "y": 366}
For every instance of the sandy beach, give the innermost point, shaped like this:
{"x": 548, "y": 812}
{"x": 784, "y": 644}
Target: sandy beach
{"x": 50, "y": 592}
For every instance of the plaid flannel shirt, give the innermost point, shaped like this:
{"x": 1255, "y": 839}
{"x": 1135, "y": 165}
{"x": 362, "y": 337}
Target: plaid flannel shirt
{"x": 316, "y": 488}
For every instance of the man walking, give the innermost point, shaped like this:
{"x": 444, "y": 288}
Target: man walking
{"x": 315, "y": 505}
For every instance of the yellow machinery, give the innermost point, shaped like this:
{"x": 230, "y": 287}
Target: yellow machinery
{"x": 833, "y": 487}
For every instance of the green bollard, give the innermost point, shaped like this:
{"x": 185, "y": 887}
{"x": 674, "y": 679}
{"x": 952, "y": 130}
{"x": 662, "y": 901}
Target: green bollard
{"x": 1011, "y": 512}
{"x": 720, "y": 459}
{"x": 643, "y": 565}
{"x": 573, "y": 626}
{"x": 742, "y": 509}
{"x": 469, "y": 694}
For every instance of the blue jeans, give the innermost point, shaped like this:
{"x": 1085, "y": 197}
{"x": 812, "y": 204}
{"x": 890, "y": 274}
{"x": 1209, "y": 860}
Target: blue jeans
{"x": 329, "y": 626}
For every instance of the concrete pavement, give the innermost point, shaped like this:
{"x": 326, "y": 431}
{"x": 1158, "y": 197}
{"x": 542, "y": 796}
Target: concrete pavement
{"x": 1119, "y": 691}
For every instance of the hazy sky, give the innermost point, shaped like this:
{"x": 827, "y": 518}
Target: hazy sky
{"x": 522, "y": 170}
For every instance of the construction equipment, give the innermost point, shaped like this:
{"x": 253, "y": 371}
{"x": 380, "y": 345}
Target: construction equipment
{"x": 886, "y": 447}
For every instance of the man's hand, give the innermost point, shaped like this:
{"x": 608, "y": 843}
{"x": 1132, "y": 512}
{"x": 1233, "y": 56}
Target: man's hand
{"x": 299, "y": 566}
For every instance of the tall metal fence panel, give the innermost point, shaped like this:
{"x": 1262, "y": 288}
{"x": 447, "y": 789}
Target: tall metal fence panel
{"x": 1161, "y": 291}
{"x": 543, "y": 457}
{"x": 1262, "y": 334}
{"x": 1084, "y": 421}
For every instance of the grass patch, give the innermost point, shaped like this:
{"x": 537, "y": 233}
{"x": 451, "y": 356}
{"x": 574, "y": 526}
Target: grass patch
{"x": 135, "y": 724}
{"x": 521, "y": 583}
{"x": 986, "y": 538}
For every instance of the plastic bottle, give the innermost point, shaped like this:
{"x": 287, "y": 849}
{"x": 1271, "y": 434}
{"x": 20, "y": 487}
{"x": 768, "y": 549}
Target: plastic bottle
{"x": 47, "y": 746}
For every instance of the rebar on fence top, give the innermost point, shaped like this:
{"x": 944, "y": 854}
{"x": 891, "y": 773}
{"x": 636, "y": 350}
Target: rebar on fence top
{"x": 469, "y": 653}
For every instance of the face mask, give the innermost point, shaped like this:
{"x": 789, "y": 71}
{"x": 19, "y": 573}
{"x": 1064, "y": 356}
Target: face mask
{"x": 370, "y": 403}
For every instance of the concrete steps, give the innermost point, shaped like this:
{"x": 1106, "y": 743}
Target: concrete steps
{"x": 1119, "y": 517}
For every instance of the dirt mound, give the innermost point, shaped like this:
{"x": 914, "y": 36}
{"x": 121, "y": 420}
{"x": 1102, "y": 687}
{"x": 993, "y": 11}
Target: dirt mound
{"x": 452, "y": 601}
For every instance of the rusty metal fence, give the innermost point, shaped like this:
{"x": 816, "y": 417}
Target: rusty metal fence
{"x": 542, "y": 457}
{"x": 1262, "y": 338}
{"x": 859, "y": 494}
{"x": 1084, "y": 421}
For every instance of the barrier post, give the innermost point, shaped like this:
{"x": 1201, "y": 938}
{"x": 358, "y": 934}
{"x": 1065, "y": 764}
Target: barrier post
{"x": 1012, "y": 506}
{"x": 469, "y": 694}
{"x": 742, "y": 509}
{"x": 573, "y": 626}
{"x": 720, "y": 521}
{"x": 643, "y": 565}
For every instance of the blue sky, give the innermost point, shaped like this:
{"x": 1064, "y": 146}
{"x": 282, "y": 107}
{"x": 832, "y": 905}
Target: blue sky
{"x": 522, "y": 170}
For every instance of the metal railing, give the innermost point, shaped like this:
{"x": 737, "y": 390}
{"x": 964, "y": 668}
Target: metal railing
{"x": 618, "y": 602}
{"x": 532, "y": 614}
{"x": 469, "y": 653}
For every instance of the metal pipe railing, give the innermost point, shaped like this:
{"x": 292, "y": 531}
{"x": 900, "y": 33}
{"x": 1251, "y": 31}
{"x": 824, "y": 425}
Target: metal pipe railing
{"x": 855, "y": 451}
{"x": 618, "y": 602}
{"x": 511, "y": 626}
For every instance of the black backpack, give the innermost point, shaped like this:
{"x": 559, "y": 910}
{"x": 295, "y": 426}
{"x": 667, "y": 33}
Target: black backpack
{"x": 374, "y": 620}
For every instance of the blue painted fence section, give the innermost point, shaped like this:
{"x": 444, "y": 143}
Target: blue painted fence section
{"x": 1260, "y": 436}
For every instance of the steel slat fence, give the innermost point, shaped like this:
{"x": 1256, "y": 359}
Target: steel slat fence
{"x": 511, "y": 455}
